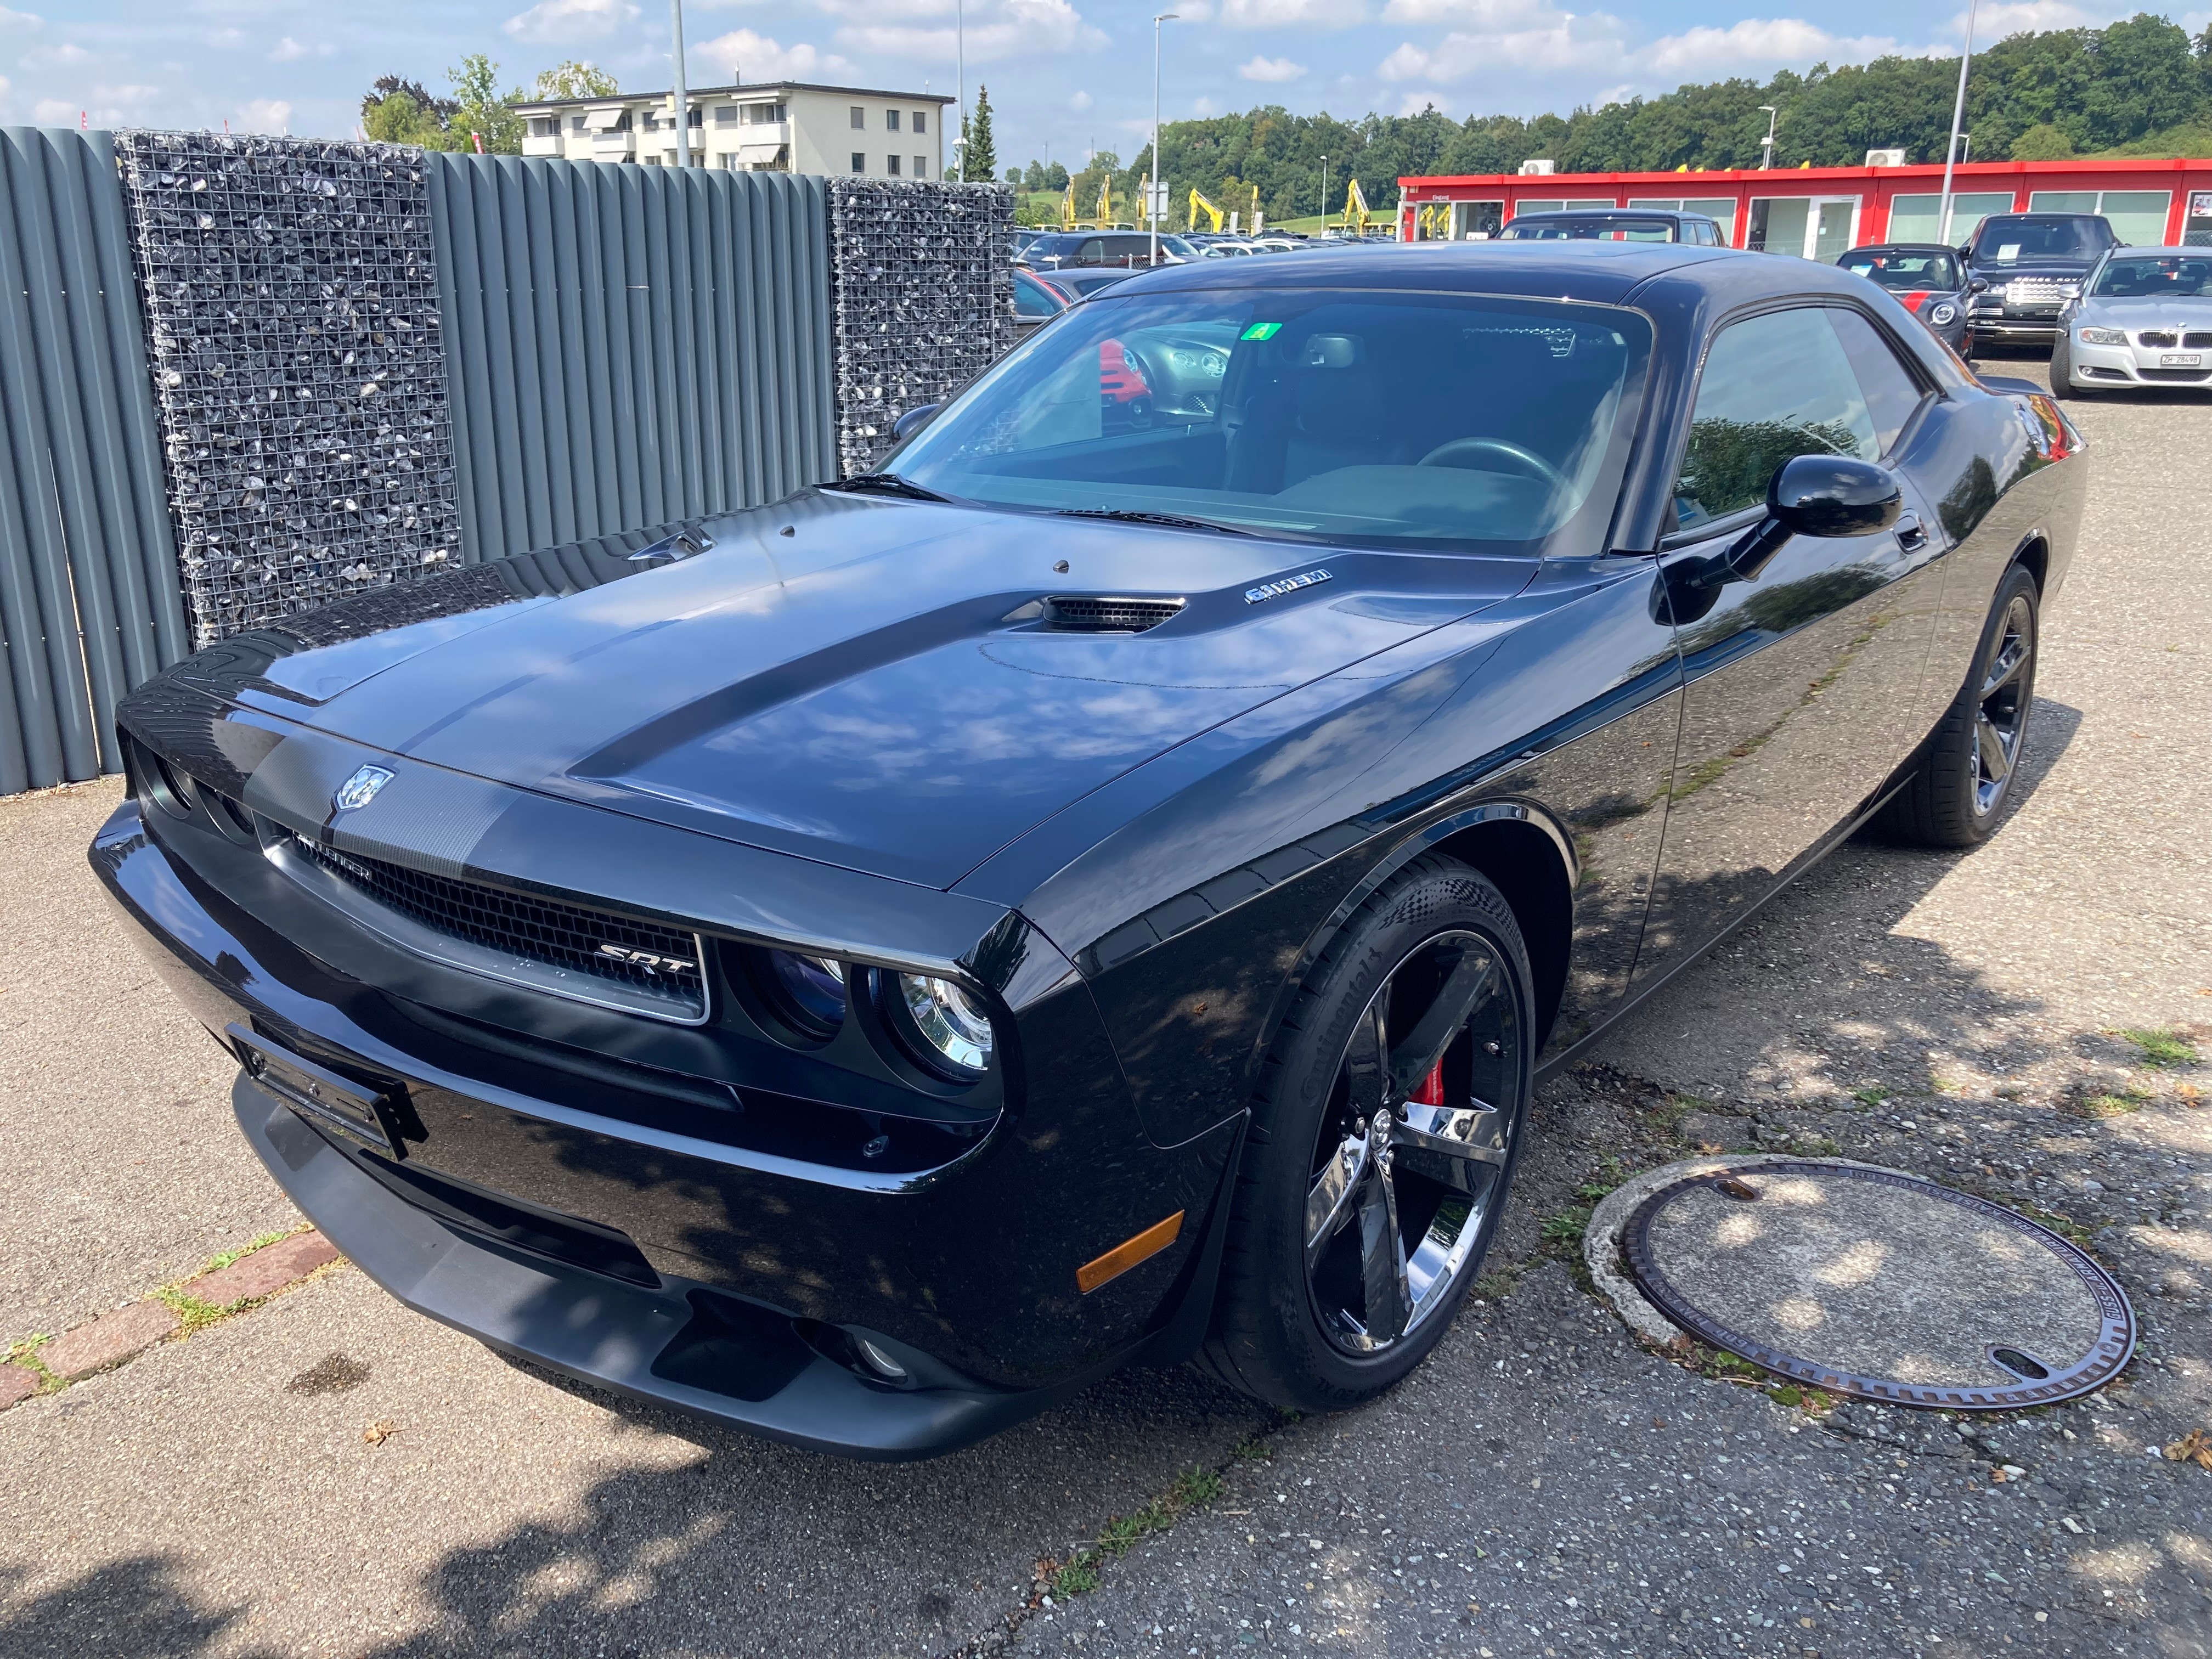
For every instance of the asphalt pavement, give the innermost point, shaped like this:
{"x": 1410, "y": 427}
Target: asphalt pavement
{"x": 331, "y": 1474}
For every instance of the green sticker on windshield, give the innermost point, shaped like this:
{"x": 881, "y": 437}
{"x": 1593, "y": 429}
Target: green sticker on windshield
{"x": 1262, "y": 332}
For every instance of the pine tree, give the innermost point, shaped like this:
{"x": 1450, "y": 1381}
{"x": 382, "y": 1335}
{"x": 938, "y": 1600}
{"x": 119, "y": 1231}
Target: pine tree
{"x": 979, "y": 157}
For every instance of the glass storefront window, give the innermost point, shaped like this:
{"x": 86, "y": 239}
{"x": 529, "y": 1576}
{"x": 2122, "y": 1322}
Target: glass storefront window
{"x": 1478, "y": 219}
{"x": 1778, "y": 224}
{"x": 1721, "y": 209}
{"x": 2137, "y": 216}
{"x": 1920, "y": 218}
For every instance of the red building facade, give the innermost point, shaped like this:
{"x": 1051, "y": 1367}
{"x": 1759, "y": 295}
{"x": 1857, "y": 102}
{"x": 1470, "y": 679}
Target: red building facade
{"x": 1818, "y": 212}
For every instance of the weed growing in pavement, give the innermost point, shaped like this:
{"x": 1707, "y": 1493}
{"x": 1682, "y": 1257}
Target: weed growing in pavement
{"x": 1497, "y": 1284}
{"x": 223, "y": 1259}
{"x": 1873, "y": 1095}
{"x": 2165, "y": 1050}
{"x": 1078, "y": 1577}
{"x": 1670, "y": 1111}
{"x": 2112, "y": 1105}
{"x": 1192, "y": 1489}
{"x": 1250, "y": 1449}
{"x": 192, "y": 1314}
{"x": 25, "y": 1354}
{"x": 2065, "y": 1226}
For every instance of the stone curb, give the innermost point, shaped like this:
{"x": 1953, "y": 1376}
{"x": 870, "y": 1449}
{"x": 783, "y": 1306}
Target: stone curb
{"x": 1602, "y": 1244}
{"x": 123, "y": 1335}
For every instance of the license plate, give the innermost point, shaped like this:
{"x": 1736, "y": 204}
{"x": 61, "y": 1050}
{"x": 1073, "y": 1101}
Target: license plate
{"x": 323, "y": 1097}
{"x": 2180, "y": 359}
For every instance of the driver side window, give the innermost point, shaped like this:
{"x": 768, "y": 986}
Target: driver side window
{"x": 1775, "y": 387}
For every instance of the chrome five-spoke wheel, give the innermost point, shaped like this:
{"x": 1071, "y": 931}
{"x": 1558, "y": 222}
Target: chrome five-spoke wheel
{"x": 2001, "y": 711}
{"x": 1410, "y": 1161}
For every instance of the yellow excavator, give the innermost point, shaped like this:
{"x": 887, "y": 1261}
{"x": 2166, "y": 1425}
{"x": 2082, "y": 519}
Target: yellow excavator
{"x": 1355, "y": 211}
{"x": 1105, "y": 201}
{"x": 1198, "y": 205}
{"x": 1067, "y": 208}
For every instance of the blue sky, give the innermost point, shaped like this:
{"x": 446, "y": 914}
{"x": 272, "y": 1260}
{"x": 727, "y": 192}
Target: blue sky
{"x": 1064, "y": 75}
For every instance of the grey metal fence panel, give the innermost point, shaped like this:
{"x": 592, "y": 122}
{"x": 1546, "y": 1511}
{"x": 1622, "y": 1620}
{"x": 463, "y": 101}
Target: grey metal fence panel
{"x": 629, "y": 346}
{"x": 89, "y": 604}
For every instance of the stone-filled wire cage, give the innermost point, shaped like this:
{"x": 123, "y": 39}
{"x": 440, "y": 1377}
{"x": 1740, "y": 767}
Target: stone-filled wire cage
{"x": 292, "y": 323}
{"x": 921, "y": 298}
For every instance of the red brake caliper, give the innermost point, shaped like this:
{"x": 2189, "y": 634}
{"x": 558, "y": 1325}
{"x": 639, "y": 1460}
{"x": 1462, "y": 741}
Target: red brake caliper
{"x": 1431, "y": 1091}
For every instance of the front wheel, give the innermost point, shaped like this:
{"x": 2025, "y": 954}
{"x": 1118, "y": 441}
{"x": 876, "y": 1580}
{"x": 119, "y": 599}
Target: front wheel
{"x": 1964, "y": 770}
{"x": 2062, "y": 369}
{"x": 1381, "y": 1147}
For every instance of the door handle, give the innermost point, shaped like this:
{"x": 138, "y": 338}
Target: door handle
{"x": 1910, "y": 535}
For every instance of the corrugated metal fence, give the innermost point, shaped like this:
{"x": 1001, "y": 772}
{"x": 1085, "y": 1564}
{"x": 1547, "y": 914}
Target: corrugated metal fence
{"x": 88, "y": 599}
{"x": 629, "y": 345}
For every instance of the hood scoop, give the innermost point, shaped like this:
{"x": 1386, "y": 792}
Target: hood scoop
{"x": 1098, "y": 613}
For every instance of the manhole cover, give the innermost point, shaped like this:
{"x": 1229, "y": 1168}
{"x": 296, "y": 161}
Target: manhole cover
{"x": 1868, "y": 1282}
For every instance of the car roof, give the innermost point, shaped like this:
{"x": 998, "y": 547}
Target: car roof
{"x": 1611, "y": 213}
{"x": 1604, "y": 273}
{"x": 1901, "y": 247}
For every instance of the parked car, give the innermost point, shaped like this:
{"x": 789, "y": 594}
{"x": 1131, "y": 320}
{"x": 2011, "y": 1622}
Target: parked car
{"x": 2144, "y": 319}
{"x": 1120, "y": 250}
{"x": 1037, "y": 300}
{"x": 2034, "y": 264}
{"x": 1022, "y": 236}
{"x": 1928, "y": 280}
{"x": 1104, "y": 887}
{"x": 1614, "y": 225}
{"x": 1078, "y": 283}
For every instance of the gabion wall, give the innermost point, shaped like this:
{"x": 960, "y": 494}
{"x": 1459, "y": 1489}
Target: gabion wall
{"x": 922, "y": 289}
{"x": 292, "y": 328}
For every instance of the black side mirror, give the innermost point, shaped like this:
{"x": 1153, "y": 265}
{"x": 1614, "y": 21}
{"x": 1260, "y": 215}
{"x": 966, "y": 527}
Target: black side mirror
{"x": 1811, "y": 495}
{"x": 912, "y": 421}
{"x": 1978, "y": 285}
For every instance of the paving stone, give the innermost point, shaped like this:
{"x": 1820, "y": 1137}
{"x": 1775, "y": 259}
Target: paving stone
{"x": 17, "y": 1382}
{"x": 109, "y": 1340}
{"x": 267, "y": 1270}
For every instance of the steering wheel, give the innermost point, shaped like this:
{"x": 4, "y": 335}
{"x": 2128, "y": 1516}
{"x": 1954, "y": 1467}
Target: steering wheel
{"x": 1450, "y": 455}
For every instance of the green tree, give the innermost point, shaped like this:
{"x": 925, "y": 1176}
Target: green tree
{"x": 979, "y": 157}
{"x": 574, "y": 79}
{"x": 485, "y": 113}
{"x": 398, "y": 111}
{"x": 2042, "y": 142}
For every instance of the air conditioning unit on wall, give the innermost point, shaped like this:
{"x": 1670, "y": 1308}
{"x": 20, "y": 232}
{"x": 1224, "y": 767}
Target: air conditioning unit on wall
{"x": 1532, "y": 167}
{"x": 1885, "y": 158}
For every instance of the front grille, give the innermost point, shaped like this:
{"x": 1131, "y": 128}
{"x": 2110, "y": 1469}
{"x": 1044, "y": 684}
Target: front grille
{"x": 2179, "y": 376}
{"x": 1096, "y": 613}
{"x": 2198, "y": 339}
{"x": 2155, "y": 337}
{"x": 2034, "y": 291}
{"x": 660, "y": 962}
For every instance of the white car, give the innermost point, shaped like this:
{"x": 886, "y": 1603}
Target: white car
{"x": 2144, "y": 318}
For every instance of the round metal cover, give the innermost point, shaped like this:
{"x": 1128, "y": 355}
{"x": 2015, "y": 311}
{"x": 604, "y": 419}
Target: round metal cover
{"x": 1868, "y": 1282}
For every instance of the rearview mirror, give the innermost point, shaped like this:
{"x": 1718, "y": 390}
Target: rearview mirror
{"x": 1811, "y": 495}
{"x": 1978, "y": 285}
{"x": 912, "y": 421}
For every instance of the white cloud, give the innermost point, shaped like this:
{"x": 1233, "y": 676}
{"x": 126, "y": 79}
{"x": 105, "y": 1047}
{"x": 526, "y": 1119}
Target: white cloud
{"x": 554, "y": 21}
{"x": 1490, "y": 16}
{"x": 2018, "y": 16}
{"x": 995, "y": 29}
{"x": 67, "y": 55}
{"x": 289, "y": 49}
{"x": 1081, "y": 101}
{"x": 1293, "y": 13}
{"x": 1757, "y": 42}
{"x": 759, "y": 58}
{"x": 1271, "y": 70}
{"x": 1205, "y": 106}
{"x": 53, "y": 112}
{"x": 18, "y": 20}
{"x": 268, "y": 115}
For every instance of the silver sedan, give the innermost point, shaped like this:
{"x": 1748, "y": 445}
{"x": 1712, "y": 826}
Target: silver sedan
{"x": 2144, "y": 318}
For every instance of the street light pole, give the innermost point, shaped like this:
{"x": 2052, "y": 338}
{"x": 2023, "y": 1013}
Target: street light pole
{"x": 1766, "y": 144}
{"x": 960, "y": 79}
{"x": 1152, "y": 195}
{"x": 1324, "y": 193}
{"x": 1958, "y": 119}
{"x": 682, "y": 94}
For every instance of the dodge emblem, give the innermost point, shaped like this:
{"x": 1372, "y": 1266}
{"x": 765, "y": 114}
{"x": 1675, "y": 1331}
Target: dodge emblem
{"x": 360, "y": 788}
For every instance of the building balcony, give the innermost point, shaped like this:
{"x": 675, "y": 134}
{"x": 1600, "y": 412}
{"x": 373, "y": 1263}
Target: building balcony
{"x": 548, "y": 145}
{"x": 613, "y": 146}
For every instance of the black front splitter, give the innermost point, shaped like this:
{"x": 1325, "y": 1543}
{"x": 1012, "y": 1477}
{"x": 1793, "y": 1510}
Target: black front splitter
{"x": 683, "y": 1346}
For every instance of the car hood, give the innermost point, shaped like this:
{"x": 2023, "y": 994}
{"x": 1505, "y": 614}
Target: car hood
{"x": 2148, "y": 311}
{"x": 2068, "y": 270}
{"x": 858, "y": 680}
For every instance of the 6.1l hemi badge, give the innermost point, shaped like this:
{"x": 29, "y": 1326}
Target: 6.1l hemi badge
{"x": 1287, "y": 584}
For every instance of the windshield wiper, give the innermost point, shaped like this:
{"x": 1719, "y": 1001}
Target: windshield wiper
{"x": 1131, "y": 515}
{"x": 885, "y": 483}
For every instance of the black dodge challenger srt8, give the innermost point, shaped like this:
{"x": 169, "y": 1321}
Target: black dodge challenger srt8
{"x": 1103, "y": 889}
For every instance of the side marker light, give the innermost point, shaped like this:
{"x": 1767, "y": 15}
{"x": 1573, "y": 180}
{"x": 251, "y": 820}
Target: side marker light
{"x": 1123, "y": 1256}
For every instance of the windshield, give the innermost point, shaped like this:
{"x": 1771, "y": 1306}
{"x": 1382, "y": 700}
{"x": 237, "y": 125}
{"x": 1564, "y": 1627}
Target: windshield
{"x": 1906, "y": 273}
{"x": 1343, "y": 417}
{"x": 2163, "y": 277}
{"x": 1590, "y": 230}
{"x": 2008, "y": 241}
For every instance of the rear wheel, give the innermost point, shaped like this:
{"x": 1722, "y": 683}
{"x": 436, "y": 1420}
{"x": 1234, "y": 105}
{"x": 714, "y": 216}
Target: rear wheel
{"x": 1381, "y": 1147}
{"x": 1964, "y": 770}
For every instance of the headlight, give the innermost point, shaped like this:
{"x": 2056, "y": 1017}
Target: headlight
{"x": 944, "y": 1027}
{"x": 2071, "y": 290}
{"x": 1943, "y": 312}
{"x": 808, "y": 992}
{"x": 2103, "y": 337}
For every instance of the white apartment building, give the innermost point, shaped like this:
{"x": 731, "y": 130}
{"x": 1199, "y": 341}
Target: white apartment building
{"x": 782, "y": 127}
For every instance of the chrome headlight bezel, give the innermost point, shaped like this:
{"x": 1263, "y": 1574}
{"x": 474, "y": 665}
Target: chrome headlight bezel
{"x": 2089, "y": 335}
{"x": 1943, "y": 313}
{"x": 943, "y": 1026}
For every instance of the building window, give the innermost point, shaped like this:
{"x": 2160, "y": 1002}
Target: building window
{"x": 765, "y": 115}
{"x": 698, "y": 117}
{"x": 920, "y": 121}
{"x": 891, "y": 166}
{"x": 649, "y": 122}
{"x": 544, "y": 126}
{"x": 726, "y": 115}
{"x": 859, "y": 162}
{"x": 890, "y": 120}
{"x": 2137, "y": 216}
{"x": 860, "y": 119}
{"x": 575, "y": 124}
{"x": 922, "y": 167}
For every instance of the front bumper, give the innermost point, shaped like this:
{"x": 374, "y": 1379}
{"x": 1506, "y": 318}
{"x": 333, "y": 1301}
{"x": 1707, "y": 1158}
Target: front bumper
{"x": 705, "y": 1276}
{"x": 2131, "y": 365}
{"x": 2014, "y": 326}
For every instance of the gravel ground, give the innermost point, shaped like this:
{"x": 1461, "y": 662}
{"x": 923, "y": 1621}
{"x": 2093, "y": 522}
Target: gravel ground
{"x": 1542, "y": 1487}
